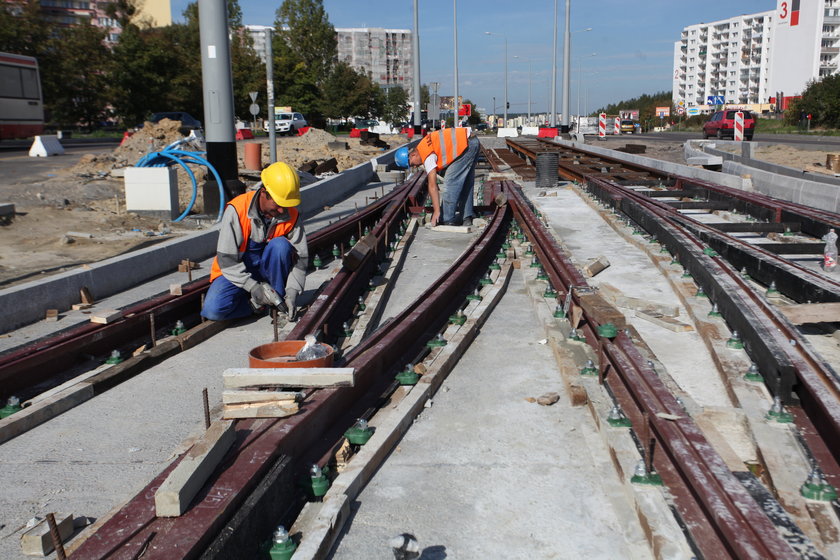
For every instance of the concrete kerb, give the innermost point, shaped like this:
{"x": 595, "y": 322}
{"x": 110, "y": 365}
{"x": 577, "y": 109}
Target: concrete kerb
{"x": 25, "y": 304}
{"x": 665, "y": 166}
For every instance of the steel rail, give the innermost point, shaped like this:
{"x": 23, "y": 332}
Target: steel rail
{"x": 26, "y": 367}
{"x": 260, "y": 442}
{"x": 723, "y": 518}
{"x": 792, "y": 279}
{"x": 787, "y": 362}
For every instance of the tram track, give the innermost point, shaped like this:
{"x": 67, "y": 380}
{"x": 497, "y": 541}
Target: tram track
{"x": 721, "y": 518}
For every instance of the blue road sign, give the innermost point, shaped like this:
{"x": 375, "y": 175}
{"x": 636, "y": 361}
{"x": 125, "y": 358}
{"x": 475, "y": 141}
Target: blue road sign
{"x": 715, "y": 100}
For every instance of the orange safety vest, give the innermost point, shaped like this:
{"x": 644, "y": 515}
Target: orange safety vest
{"x": 241, "y": 204}
{"x": 448, "y": 144}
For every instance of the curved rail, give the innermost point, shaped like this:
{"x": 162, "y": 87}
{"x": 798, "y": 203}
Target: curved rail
{"x": 723, "y": 518}
{"x": 261, "y": 442}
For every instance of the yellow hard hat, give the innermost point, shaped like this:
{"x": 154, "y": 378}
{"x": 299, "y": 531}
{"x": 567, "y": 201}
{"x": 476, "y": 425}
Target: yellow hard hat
{"x": 282, "y": 183}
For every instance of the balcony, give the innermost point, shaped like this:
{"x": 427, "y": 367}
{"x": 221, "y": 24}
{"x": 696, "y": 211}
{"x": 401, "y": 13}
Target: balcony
{"x": 829, "y": 50}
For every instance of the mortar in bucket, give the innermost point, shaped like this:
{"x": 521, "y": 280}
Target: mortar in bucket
{"x": 282, "y": 355}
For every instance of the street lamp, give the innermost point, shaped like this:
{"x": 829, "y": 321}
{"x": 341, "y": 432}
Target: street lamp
{"x": 580, "y": 64}
{"x": 506, "y": 73}
{"x": 529, "y": 86}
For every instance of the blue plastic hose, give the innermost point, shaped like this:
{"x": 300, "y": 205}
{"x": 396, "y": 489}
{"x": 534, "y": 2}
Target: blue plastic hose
{"x": 170, "y": 156}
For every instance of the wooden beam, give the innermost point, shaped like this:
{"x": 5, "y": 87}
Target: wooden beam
{"x": 811, "y": 313}
{"x": 274, "y": 409}
{"x": 746, "y": 227}
{"x": 105, "y": 316}
{"x": 236, "y": 378}
{"x": 37, "y": 540}
{"x": 249, "y": 397}
{"x": 184, "y": 482}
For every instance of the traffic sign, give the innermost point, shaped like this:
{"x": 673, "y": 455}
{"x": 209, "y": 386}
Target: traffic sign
{"x": 253, "y": 95}
{"x": 681, "y": 103}
{"x": 715, "y": 100}
{"x": 681, "y": 110}
{"x": 255, "y": 109}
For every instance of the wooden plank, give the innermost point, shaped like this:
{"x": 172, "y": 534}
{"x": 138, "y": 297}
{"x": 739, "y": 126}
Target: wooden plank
{"x": 453, "y": 229}
{"x": 274, "y": 409}
{"x": 600, "y": 310}
{"x": 86, "y": 297}
{"x": 235, "y": 378}
{"x": 46, "y": 409}
{"x": 811, "y": 313}
{"x": 184, "y": 482}
{"x": 80, "y": 306}
{"x": 105, "y": 316}
{"x": 37, "y": 540}
{"x": 246, "y": 397}
{"x": 664, "y": 321}
{"x": 595, "y": 266}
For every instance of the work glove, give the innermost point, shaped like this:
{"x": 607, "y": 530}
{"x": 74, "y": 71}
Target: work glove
{"x": 291, "y": 303}
{"x": 263, "y": 294}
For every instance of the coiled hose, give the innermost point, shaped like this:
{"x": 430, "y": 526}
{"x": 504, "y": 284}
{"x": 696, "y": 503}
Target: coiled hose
{"x": 171, "y": 155}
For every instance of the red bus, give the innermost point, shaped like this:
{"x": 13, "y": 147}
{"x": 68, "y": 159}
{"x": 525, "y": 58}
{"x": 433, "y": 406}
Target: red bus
{"x": 21, "y": 102}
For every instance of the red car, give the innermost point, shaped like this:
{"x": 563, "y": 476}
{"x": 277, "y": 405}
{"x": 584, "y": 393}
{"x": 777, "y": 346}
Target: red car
{"x": 722, "y": 125}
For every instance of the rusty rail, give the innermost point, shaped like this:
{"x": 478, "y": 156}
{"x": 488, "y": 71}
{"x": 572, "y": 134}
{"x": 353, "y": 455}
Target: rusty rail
{"x": 261, "y": 442}
{"x": 722, "y": 517}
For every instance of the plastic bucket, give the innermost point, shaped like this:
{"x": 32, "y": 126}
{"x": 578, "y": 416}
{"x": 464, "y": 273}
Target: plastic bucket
{"x": 282, "y": 355}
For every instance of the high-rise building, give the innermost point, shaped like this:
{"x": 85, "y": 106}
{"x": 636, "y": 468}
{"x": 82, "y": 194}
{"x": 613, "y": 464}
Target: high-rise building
{"x": 747, "y": 59}
{"x": 385, "y": 54}
{"x": 725, "y": 59}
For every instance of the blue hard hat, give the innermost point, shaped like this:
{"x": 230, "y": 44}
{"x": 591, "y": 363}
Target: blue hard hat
{"x": 401, "y": 157}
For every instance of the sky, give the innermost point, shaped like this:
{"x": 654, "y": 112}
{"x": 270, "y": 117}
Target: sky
{"x": 628, "y": 52}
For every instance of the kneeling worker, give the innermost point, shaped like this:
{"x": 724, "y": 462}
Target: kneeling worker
{"x": 261, "y": 256}
{"x": 455, "y": 150}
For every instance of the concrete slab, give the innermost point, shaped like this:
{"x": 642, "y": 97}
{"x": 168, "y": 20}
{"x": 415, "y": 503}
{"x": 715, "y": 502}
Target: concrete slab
{"x": 472, "y": 476}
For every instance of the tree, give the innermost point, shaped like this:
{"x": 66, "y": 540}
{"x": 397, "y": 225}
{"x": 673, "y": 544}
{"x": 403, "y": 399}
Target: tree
{"x": 821, "y": 100}
{"x": 304, "y": 54}
{"x": 395, "y": 105}
{"x": 76, "y": 81}
{"x": 22, "y": 31}
{"x": 345, "y": 93}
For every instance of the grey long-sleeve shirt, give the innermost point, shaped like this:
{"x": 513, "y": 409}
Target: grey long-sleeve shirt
{"x": 231, "y": 237}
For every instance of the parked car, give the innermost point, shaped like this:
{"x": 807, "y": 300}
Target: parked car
{"x": 188, "y": 122}
{"x": 287, "y": 123}
{"x": 722, "y": 125}
{"x": 628, "y": 125}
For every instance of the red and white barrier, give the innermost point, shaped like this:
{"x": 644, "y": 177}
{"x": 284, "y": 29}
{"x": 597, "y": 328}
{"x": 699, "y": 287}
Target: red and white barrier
{"x": 617, "y": 126}
{"x": 602, "y": 126}
{"x": 739, "y": 127}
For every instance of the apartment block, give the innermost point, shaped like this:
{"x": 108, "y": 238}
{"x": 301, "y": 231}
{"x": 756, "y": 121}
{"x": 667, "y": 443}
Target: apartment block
{"x": 726, "y": 59}
{"x": 746, "y": 59}
{"x": 385, "y": 54}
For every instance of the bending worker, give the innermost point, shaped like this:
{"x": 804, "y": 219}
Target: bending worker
{"x": 261, "y": 256}
{"x": 456, "y": 151}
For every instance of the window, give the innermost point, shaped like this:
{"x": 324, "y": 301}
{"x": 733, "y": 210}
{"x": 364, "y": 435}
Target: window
{"x": 18, "y": 83}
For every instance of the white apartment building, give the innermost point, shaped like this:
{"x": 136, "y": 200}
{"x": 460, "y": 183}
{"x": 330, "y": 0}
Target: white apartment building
{"x": 748, "y": 58}
{"x": 384, "y": 54}
{"x": 727, "y": 58}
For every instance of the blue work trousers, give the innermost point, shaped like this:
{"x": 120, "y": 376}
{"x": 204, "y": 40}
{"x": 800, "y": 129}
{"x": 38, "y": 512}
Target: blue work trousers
{"x": 458, "y": 184}
{"x": 266, "y": 262}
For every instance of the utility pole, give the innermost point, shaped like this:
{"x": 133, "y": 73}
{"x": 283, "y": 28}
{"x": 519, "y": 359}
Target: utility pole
{"x": 218, "y": 100}
{"x": 415, "y": 45}
{"x": 455, "y": 28}
{"x": 553, "y": 119}
{"x": 269, "y": 87}
{"x": 567, "y": 60}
